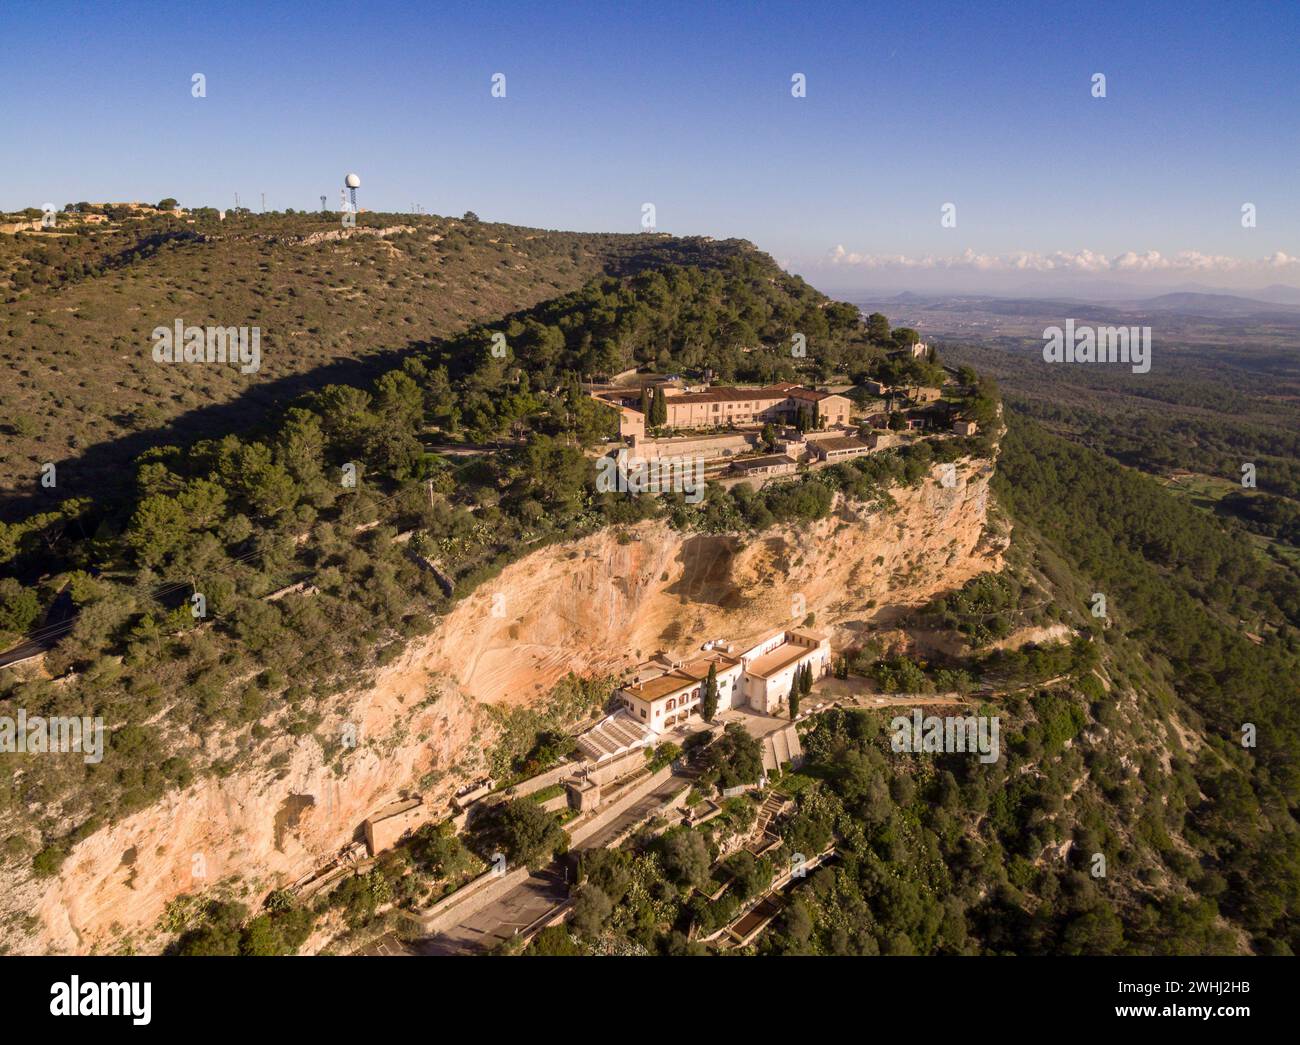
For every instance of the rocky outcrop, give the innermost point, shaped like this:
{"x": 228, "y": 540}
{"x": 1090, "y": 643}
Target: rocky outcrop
{"x": 330, "y": 236}
{"x": 596, "y": 605}
{"x": 268, "y": 824}
{"x": 612, "y": 600}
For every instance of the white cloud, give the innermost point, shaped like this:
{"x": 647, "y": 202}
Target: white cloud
{"x": 1082, "y": 261}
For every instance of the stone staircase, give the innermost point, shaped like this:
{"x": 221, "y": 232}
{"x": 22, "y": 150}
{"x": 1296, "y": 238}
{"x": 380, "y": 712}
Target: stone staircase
{"x": 780, "y": 748}
{"x": 772, "y": 807}
{"x": 764, "y": 838}
{"x": 614, "y": 735}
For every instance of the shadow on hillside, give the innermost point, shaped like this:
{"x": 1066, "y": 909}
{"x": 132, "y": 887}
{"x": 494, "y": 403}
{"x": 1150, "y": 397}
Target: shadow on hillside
{"x": 105, "y": 470}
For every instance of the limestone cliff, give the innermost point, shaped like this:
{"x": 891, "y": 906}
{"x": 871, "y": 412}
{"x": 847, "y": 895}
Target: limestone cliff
{"x": 598, "y": 604}
{"x": 613, "y": 599}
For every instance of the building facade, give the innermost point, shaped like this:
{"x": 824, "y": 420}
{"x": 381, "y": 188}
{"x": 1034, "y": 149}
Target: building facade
{"x": 668, "y": 698}
{"x": 722, "y": 407}
{"x": 770, "y": 464}
{"x": 770, "y": 667}
{"x": 840, "y": 448}
{"x": 666, "y": 694}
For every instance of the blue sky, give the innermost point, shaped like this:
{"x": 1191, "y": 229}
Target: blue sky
{"x": 688, "y": 106}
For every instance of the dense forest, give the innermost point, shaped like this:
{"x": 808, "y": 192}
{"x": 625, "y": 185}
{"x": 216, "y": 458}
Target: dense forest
{"x": 1223, "y": 409}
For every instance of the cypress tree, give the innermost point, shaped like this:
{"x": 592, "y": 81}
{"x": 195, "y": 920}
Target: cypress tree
{"x": 709, "y": 700}
{"x": 659, "y": 409}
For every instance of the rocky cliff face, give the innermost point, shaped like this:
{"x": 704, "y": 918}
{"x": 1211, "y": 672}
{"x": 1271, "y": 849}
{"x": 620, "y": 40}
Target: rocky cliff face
{"x": 264, "y": 826}
{"x": 599, "y": 604}
{"x": 614, "y": 599}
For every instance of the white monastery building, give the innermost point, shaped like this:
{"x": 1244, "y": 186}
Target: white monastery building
{"x": 665, "y": 693}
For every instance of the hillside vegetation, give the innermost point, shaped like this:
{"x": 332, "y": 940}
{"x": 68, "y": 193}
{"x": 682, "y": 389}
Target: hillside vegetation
{"x": 441, "y": 432}
{"x": 78, "y": 304}
{"x": 319, "y": 495}
{"x": 1223, "y": 399}
{"x": 1124, "y": 816}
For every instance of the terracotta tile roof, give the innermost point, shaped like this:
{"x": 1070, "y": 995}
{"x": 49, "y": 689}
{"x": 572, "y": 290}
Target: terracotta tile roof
{"x": 684, "y": 677}
{"x": 662, "y": 686}
{"x": 786, "y": 654}
{"x": 727, "y": 395}
{"x": 808, "y": 395}
{"x": 780, "y": 658}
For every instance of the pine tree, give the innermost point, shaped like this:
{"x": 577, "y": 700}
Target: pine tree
{"x": 709, "y": 701}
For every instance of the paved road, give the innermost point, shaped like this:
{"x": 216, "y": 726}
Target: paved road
{"x": 634, "y": 814}
{"x": 539, "y": 893}
{"x": 58, "y": 622}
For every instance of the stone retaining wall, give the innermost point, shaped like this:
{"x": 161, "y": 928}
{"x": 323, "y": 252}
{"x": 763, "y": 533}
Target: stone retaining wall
{"x": 466, "y": 901}
{"x": 579, "y": 833}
